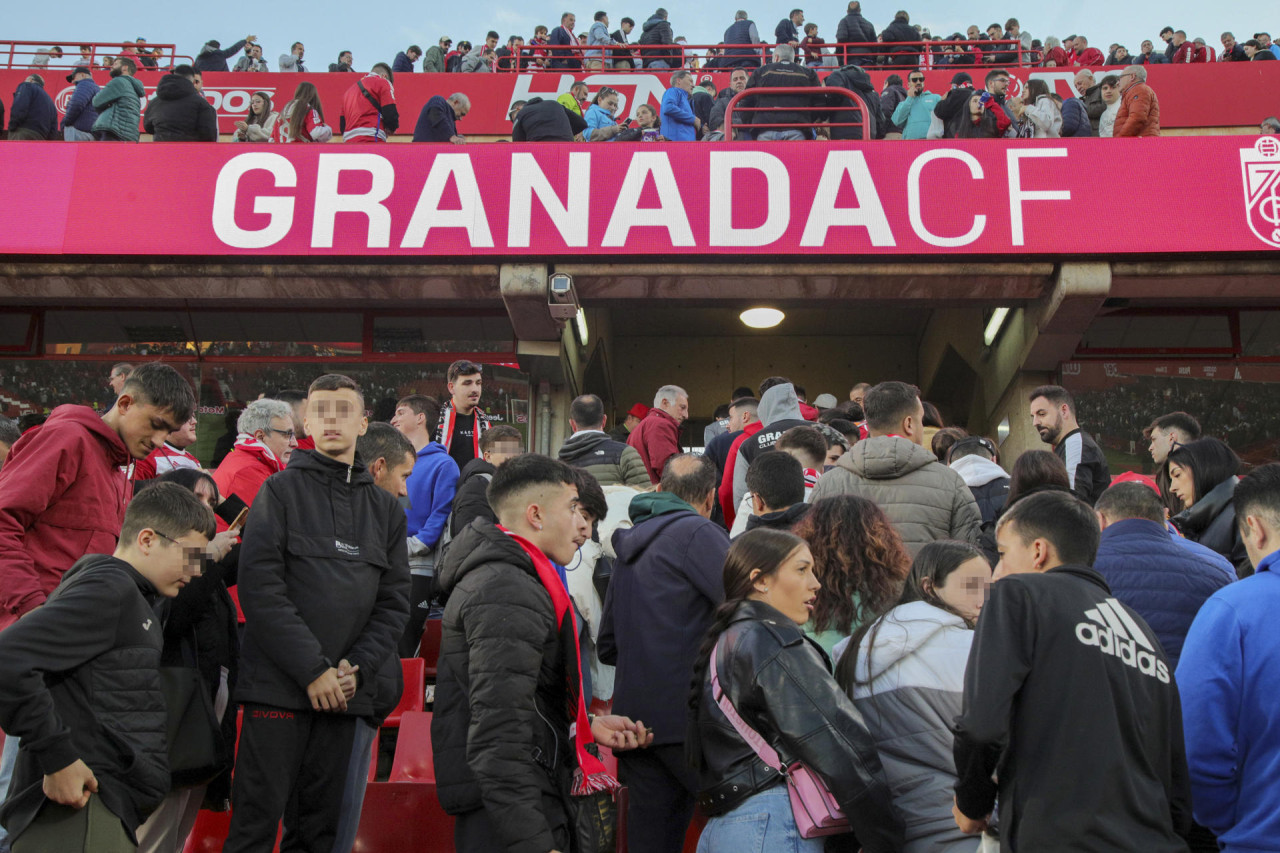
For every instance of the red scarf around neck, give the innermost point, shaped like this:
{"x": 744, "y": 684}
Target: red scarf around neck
{"x": 590, "y": 775}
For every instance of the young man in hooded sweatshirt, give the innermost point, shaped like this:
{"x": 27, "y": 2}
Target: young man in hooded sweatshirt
{"x": 324, "y": 584}
{"x": 80, "y": 684}
{"x": 510, "y": 677}
{"x": 65, "y": 485}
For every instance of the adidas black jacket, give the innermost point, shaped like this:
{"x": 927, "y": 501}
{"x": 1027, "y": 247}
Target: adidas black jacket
{"x": 1070, "y": 702}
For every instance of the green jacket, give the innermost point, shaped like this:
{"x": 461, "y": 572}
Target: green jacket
{"x": 119, "y": 107}
{"x": 433, "y": 59}
{"x": 653, "y": 504}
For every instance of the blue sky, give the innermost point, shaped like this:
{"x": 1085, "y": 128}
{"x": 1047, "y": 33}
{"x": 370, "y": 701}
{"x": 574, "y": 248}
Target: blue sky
{"x": 375, "y": 31}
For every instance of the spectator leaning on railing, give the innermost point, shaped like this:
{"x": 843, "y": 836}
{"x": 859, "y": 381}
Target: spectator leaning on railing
{"x": 32, "y": 115}
{"x": 77, "y": 124}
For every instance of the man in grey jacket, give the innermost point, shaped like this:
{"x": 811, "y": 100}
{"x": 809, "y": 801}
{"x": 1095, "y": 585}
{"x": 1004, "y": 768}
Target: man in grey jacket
{"x": 924, "y": 499}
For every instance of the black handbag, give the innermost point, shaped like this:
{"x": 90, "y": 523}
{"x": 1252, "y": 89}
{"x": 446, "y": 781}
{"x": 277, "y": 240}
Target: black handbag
{"x": 191, "y": 728}
{"x": 595, "y": 822}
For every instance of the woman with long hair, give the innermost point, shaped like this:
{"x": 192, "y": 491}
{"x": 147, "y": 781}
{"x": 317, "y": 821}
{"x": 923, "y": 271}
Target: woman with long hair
{"x": 1042, "y": 111}
{"x": 260, "y": 123}
{"x": 302, "y": 119}
{"x": 779, "y": 684}
{"x": 1036, "y": 471}
{"x": 1203, "y": 475}
{"x": 905, "y": 672}
{"x": 860, "y": 559}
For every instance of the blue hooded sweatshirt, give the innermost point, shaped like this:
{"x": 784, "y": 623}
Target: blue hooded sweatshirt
{"x": 1229, "y": 677}
{"x": 431, "y": 489}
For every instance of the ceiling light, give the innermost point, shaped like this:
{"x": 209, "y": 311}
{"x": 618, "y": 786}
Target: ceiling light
{"x": 994, "y": 325}
{"x": 761, "y": 318}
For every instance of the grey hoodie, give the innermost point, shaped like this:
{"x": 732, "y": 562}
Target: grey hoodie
{"x": 924, "y": 499}
{"x": 778, "y": 407}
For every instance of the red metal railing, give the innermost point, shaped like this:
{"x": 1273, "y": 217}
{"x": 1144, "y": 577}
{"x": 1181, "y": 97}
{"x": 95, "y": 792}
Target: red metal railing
{"x": 822, "y": 106}
{"x": 22, "y": 54}
{"x": 709, "y": 57}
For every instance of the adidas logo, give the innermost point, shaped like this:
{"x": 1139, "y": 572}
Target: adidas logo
{"x": 1113, "y": 631}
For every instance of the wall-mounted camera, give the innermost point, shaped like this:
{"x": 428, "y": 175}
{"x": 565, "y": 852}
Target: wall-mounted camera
{"x": 562, "y": 297}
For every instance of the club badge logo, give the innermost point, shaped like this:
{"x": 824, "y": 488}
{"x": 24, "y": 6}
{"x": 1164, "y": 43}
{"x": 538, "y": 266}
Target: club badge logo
{"x": 1260, "y": 167}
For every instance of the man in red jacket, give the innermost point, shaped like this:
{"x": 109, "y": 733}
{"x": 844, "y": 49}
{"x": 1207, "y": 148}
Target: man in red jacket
{"x": 369, "y": 109}
{"x": 657, "y": 438}
{"x": 1088, "y": 57}
{"x": 64, "y": 488}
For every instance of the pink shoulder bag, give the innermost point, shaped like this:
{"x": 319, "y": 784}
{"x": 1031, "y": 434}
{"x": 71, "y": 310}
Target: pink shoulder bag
{"x": 816, "y": 811}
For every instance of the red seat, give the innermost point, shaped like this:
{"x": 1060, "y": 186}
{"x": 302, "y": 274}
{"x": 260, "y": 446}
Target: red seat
{"x": 402, "y": 816}
{"x": 414, "y": 761}
{"x": 414, "y": 695}
{"x": 429, "y": 648}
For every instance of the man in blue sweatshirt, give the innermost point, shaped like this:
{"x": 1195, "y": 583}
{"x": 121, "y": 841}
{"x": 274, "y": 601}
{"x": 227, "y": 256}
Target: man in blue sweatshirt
{"x": 432, "y": 485}
{"x": 1229, "y": 675}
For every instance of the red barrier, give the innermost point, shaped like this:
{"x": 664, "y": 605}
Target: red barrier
{"x": 959, "y": 198}
{"x": 1220, "y": 95}
{"x": 22, "y": 55}
{"x": 758, "y": 118}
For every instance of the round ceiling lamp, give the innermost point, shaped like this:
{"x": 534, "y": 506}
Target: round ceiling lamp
{"x": 761, "y": 318}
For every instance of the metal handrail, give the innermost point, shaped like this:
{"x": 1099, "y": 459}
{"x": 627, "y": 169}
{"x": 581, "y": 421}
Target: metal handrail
{"x": 538, "y": 57}
{"x": 20, "y": 54}
{"x": 858, "y": 105}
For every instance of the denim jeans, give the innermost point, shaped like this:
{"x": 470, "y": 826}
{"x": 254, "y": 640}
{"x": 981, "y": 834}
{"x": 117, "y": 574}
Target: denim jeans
{"x": 780, "y": 134}
{"x": 762, "y": 824}
{"x": 71, "y": 134}
{"x": 7, "y": 761}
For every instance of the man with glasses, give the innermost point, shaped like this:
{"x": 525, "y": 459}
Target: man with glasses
{"x": 915, "y": 114}
{"x": 1139, "y": 113}
{"x": 324, "y": 584}
{"x": 265, "y": 442}
{"x": 81, "y": 683}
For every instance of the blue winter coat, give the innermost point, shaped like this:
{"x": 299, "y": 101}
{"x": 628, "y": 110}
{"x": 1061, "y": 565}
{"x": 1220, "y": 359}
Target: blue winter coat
{"x": 1075, "y": 119}
{"x": 33, "y": 109}
{"x": 1165, "y": 582}
{"x": 597, "y": 118}
{"x": 80, "y": 112}
{"x": 677, "y": 116}
{"x": 402, "y": 64}
{"x": 431, "y": 486}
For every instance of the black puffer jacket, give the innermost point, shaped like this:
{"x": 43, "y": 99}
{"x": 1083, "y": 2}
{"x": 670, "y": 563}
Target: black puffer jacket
{"x": 855, "y": 79}
{"x": 658, "y": 30}
{"x": 953, "y": 109}
{"x": 80, "y": 679}
{"x": 179, "y": 113}
{"x": 855, "y": 28}
{"x": 901, "y": 31}
{"x": 780, "y": 684}
{"x": 471, "y": 498}
{"x": 324, "y": 575}
{"x": 1211, "y": 521}
{"x": 501, "y": 726}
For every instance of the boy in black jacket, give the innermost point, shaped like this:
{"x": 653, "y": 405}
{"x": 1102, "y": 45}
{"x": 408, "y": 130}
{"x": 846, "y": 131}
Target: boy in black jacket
{"x": 1068, "y": 700}
{"x": 324, "y": 584}
{"x": 80, "y": 684}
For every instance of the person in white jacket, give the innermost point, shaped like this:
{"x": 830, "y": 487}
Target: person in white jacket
{"x": 905, "y": 672}
{"x": 1042, "y": 111}
{"x": 1110, "y": 97}
{"x": 261, "y": 121}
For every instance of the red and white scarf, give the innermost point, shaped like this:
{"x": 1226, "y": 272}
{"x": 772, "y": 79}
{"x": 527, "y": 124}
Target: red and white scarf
{"x": 590, "y": 775}
{"x": 246, "y": 443}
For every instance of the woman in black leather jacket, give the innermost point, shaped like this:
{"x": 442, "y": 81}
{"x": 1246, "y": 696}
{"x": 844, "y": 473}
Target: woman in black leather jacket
{"x": 780, "y": 683}
{"x": 1202, "y": 474}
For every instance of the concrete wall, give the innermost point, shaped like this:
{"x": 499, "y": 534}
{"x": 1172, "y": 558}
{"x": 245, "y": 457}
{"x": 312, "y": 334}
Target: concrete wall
{"x": 710, "y": 368}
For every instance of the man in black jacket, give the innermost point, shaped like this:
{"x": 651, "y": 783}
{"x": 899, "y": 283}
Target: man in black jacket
{"x": 667, "y": 582}
{"x": 509, "y": 682}
{"x": 856, "y": 79}
{"x": 471, "y": 500}
{"x": 547, "y": 121}
{"x": 324, "y": 585}
{"x": 180, "y": 112}
{"x": 80, "y": 684}
{"x": 1068, "y": 700}
{"x": 853, "y": 28}
{"x": 783, "y": 72}
{"x": 1053, "y": 414}
{"x": 953, "y": 109}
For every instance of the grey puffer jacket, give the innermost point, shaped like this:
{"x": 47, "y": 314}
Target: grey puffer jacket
{"x": 924, "y": 499}
{"x": 612, "y": 463}
{"x": 916, "y": 659}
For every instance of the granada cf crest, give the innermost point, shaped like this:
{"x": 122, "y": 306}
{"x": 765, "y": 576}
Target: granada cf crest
{"x": 1260, "y": 166}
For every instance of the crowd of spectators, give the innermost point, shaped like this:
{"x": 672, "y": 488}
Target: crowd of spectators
{"x": 1119, "y": 104}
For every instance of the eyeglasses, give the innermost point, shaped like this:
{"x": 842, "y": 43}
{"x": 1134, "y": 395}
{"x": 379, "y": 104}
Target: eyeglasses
{"x": 286, "y": 433}
{"x": 193, "y": 557}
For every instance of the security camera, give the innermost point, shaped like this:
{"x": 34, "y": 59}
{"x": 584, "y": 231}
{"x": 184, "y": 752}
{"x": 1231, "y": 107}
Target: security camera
{"x": 562, "y": 297}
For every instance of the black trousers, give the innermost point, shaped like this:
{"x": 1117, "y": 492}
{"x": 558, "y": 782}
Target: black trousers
{"x": 474, "y": 831}
{"x": 294, "y": 761}
{"x": 661, "y": 789}
{"x": 420, "y": 590}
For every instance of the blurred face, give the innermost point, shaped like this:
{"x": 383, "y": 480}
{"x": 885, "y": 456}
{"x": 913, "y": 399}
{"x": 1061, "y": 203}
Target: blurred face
{"x": 255, "y": 51}
{"x": 569, "y": 21}
{"x": 465, "y": 391}
{"x": 678, "y": 408}
{"x": 1146, "y": 47}
{"x": 1228, "y": 42}
{"x": 1047, "y": 419}
{"x": 300, "y": 50}
{"x": 797, "y": 18}
{"x": 965, "y": 589}
{"x": 335, "y": 419}
{"x": 1264, "y": 39}
{"x": 631, "y": 422}
{"x": 142, "y": 426}
{"x": 793, "y": 588}
{"x": 491, "y": 42}
{"x": 1121, "y": 53}
{"x": 169, "y": 563}
{"x": 738, "y": 80}
{"x": 280, "y": 439}
{"x": 972, "y": 33}
{"x": 1182, "y": 483}
{"x": 345, "y": 57}
{"x": 502, "y": 451}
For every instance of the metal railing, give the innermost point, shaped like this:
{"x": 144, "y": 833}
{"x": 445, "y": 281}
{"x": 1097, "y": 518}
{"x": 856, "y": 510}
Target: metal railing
{"x": 98, "y": 55}
{"x": 823, "y": 106}
{"x": 997, "y": 53}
